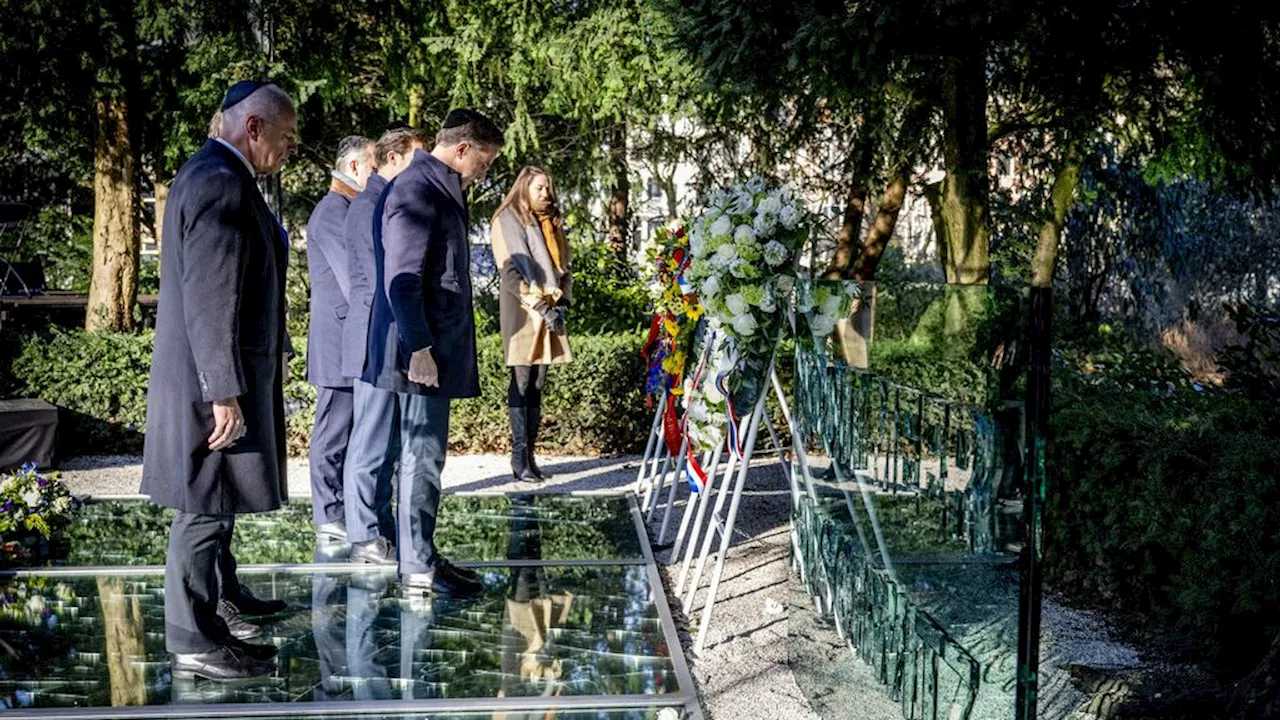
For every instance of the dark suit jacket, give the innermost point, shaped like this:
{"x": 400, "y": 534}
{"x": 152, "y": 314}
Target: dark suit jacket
{"x": 424, "y": 281}
{"x": 220, "y": 333}
{"x": 327, "y": 267}
{"x": 358, "y": 230}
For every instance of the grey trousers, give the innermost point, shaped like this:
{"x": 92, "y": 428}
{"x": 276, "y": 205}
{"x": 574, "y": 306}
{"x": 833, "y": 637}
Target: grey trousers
{"x": 329, "y": 439}
{"x": 424, "y": 441}
{"x": 372, "y": 450}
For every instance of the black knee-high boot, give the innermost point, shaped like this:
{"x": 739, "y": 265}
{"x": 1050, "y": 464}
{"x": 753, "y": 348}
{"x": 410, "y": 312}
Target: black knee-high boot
{"x": 520, "y": 445}
{"x": 535, "y": 421}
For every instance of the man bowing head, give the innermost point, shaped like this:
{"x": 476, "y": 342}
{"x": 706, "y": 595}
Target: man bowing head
{"x": 422, "y": 334}
{"x": 215, "y": 444}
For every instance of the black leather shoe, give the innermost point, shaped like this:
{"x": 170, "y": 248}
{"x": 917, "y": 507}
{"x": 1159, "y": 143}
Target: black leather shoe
{"x": 467, "y": 573}
{"x": 247, "y": 604}
{"x": 377, "y": 551}
{"x": 442, "y": 581}
{"x": 220, "y": 665}
{"x": 240, "y": 628}
{"x": 332, "y": 531}
{"x": 254, "y": 650}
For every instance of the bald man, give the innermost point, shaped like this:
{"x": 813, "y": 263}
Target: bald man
{"x": 215, "y": 444}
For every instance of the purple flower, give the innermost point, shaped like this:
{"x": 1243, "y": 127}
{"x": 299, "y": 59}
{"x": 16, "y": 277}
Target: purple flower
{"x": 28, "y": 467}
{"x": 7, "y": 504}
{"x": 43, "y": 482}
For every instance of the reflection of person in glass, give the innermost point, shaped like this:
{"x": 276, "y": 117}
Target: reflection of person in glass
{"x": 529, "y": 664}
{"x": 328, "y": 598}
{"x": 366, "y": 669}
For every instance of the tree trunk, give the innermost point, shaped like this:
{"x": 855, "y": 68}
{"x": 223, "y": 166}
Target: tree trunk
{"x": 882, "y": 227}
{"x": 122, "y": 625}
{"x": 855, "y": 208}
{"x": 964, "y": 198}
{"x": 113, "y": 285}
{"x": 619, "y": 215}
{"x": 1064, "y": 188}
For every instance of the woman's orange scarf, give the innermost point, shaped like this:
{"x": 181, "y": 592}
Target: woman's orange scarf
{"x": 554, "y": 237}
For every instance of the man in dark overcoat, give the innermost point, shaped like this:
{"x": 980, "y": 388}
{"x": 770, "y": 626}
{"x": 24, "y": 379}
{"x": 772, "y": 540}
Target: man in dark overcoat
{"x": 215, "y": 443}
{"x": 374, "y": 445}
{"x": 422, "y": 336}
{"x": 330, "y": 303}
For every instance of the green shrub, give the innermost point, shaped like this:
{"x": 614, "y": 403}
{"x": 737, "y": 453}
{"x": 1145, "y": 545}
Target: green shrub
{"x": 1162, "y": 498}
{"x": 606, "y": 298}
{"x": 592, "y": 405}
{"x": 100, "y": 381}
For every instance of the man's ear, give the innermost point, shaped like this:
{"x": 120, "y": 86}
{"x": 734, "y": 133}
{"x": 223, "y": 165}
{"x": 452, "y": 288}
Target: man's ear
{"x": 461, "y": 148}
{"x": 255, "y": 126}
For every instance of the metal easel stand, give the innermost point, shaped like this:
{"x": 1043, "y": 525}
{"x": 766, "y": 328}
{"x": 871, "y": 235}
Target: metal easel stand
{"x": 751, "y": 424}
{"x": 656, "y": 492}
{"x": 649, "y": 463}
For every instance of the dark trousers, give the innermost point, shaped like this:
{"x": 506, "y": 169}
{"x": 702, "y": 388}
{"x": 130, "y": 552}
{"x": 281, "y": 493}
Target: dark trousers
{"x": 199, "y": 571}
{"x": 334, "y": 408}
{"x": 372, "y": 451}
{"x": 526, "y": 385}
{"x": 424, "y": 441}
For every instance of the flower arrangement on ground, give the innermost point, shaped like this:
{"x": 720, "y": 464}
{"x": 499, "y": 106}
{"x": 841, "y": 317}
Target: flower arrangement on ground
{"x": 32, "y": 505}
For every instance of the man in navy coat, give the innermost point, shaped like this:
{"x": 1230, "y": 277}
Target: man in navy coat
{"x": 422, "y": 336}
{"x": 330, "y": 293}
{"x": 374, "y": 445}
{"x": 215, "y": 443}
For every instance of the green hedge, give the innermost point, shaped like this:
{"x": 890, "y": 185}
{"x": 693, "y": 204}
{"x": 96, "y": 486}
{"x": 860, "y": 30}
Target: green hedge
{"x": 592, "y": 405}
{"x": 1167, "y": 503}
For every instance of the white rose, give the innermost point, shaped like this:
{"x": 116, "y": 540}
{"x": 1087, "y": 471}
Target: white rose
{"x": 727, "y": 252}
{"x": 744, "y": 325}
{"x": 736, "y": 303}
{"x": 744, "y": 234}
{"x": 722, "y": 227}
{"x": 31, "y": 497}
{"x": 710, "y": 286}
{"x": 712, "y": 393}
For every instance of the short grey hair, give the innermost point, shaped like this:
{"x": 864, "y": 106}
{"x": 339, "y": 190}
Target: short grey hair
{"x": 351, "y": 148}
{"x": 268, "y": 101}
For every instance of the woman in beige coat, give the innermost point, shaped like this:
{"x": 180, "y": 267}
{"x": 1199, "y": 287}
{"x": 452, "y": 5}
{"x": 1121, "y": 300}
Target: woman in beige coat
{"x": 534, "y": 291}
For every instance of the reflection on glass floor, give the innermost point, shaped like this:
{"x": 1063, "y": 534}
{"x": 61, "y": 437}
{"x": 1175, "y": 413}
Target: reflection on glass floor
{"x": 472, "y": 528}
{"x": 574, "y": 640}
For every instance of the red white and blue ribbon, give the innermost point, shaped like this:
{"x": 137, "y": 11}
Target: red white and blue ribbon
{"x": 693, "y": 472}
{"x": 722, "y": 384}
